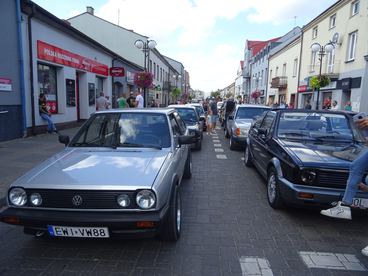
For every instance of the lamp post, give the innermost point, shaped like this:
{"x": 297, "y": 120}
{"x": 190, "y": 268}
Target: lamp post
{"x": 321, "y": 51}
{"x": 145, "y": 47}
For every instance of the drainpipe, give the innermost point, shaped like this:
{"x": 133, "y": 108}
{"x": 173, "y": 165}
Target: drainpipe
{"x": 31, "y": 69}
{"x": 300, "y": 63}
{"x": 21, "y": 69}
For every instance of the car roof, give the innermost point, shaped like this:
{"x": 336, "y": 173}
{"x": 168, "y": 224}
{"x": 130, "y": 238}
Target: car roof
{"x": 313, "y": 111}
{"x": 181, "y": 106}
{"x": 253, "y": 106}
{"x": 137, "y": 110}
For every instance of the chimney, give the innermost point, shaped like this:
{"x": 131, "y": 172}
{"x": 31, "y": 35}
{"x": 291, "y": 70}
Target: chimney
{"x": 90, "y": 10}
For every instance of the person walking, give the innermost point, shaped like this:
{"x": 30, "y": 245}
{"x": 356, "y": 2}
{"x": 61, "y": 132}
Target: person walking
{"x": 101, "y": 102}
{"x": 122, "y": 102}
{"x": 214, "y": 115}
{"x": 229, "y": 108}
{"x": 357, "y": 170}
{"x": 131, "y": 100}
{"x": 139, "y": 101}
{"x": 45, "y": 113}
{"x": 348, "y": 106}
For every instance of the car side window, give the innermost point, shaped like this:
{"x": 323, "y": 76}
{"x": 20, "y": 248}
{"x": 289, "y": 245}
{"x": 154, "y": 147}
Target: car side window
{"x": 268, "y": 120}
{"x": 174, "y": 125}
{"x": 180, "y": 123}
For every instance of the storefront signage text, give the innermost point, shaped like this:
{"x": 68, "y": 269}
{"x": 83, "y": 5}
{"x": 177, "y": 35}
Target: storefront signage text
{"x": 57, "y": 55}
{"x": 117, "y": 72}
{"x": 302, "y": 88}
{"x": 5, "y": 84}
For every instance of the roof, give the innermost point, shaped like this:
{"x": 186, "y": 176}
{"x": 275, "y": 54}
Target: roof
{"x": 181, "y": 106}
{"x": 253, "y": 105}
{"x": 137, "y": 110}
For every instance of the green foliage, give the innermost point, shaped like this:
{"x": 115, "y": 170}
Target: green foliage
{"x": 215, "y": 94}
{"x": 316, "y": 82}
{"x": 176, "y": 92}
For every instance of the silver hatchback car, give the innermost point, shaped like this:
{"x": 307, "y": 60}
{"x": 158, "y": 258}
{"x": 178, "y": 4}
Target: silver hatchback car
{"x": 119, "y": 175}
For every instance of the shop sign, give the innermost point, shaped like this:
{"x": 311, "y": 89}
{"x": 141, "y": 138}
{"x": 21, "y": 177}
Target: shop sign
{"x": 5, "y": 84}
{"x": 302, "y": 88}
{"x": 346, "y": 84}
{"x": 57, "y": 55}
{"x": 117, "y": 72}
{"x": 331, "y": 85}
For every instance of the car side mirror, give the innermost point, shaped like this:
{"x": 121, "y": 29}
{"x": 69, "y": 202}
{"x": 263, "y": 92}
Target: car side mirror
{"x": 255, "y": 118}
{"x": 262, "y": 131}
{"x": 201, "y": 118}
{"x": 64, "y": 139}
{"x": 187, "y": 139}
{"x": 231, "y": 117}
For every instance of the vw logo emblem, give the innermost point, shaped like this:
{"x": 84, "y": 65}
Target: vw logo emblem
{"x": 77, "y": 200}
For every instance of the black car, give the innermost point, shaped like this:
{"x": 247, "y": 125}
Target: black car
{"x": 305, "y": 156}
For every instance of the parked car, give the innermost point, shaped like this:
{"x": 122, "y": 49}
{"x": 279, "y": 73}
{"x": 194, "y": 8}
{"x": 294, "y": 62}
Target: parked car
{"x": 120, "y": 175}
{"x": 193, "y": 122}
{"x": 305, "y": 156}
{"x": 240, "y": 121}
{"x": 201, "y": 114}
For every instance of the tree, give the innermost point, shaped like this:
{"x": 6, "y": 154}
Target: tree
{"x": 176, "y": 93}
{"x": 216, "y": 94}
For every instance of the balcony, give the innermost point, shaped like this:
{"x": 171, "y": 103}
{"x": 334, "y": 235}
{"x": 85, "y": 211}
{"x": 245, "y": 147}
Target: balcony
{"x": 279, "y": 82}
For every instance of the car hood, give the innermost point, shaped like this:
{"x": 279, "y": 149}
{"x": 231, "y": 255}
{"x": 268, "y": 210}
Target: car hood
{"x": 336, "y": 155}
{"x": 93, "y": 168}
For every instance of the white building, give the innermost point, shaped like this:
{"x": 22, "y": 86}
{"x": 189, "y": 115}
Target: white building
{"x": 239, "y": 81}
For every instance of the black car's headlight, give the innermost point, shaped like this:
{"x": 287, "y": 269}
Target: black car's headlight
{"x": 146, "y": 199}
{"x": 18, "y": 197}
{"x": 308, "y": 176}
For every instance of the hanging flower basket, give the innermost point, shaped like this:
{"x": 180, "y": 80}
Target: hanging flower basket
{"x": 255, "y": 94}
{"x": 317, "y": 82}
{"x": 143, "y": 79}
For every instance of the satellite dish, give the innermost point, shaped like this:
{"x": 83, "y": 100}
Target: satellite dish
{"x": 336, "y": 38}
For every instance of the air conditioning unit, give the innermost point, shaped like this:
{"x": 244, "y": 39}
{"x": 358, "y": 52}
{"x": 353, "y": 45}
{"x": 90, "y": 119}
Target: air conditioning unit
{"x": 337, "y": 39}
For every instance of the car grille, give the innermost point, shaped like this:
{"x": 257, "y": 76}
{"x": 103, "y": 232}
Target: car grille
{"x": 91, "y": 199}
{"x": 333, "y": 179}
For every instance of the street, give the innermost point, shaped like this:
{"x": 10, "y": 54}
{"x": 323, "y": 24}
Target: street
{"x": 228, "y": 228}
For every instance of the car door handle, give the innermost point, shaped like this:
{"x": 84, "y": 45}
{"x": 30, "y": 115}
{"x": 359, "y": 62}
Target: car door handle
{"x": 4, "y": 112}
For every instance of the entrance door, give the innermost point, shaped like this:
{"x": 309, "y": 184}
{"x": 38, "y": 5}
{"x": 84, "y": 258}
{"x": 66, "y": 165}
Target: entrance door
{"x": 77, "y": 95}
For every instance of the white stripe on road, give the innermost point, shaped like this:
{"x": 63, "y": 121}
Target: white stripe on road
{"x": 255, "y": 266}
{"x": 219, "y": 150}
{"x": 217, "y": 145}
{"x": 331, "y": 261}
{"x": 216, "y": 141}
{"x": 221, "y": 156}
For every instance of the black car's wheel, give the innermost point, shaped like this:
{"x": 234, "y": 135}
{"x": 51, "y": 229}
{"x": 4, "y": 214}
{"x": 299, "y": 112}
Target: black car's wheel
{"x": 188, "y": 166}
{"x": 171, "y": 228}
{"x": 226, "y": 133}
{"x": 247, "y": 156}
{"x": 232, "y": 143}
{"x": 273, "y": 190}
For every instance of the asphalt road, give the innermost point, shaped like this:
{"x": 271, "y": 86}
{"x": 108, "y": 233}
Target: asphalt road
{"x": 228, "y": 228}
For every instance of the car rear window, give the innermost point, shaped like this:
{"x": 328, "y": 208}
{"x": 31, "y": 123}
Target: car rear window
{"x": 249, "y": 112}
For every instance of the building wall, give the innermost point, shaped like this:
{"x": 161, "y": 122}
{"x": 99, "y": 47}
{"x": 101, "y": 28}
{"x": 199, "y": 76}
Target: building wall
{"x": 285, "y": 56}
{"x": 10, "y": 101}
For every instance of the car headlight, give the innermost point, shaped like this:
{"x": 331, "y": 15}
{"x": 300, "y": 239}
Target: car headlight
{"x": 308, "y": 176}
{"x": 123, "y": 200}
{"x": 145, "y": 199}
{"x": 18, "y": 197}
{"x": 36, "y": 199}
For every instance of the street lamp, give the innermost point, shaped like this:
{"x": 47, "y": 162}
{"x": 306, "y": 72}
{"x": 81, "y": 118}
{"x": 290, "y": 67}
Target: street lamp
{"x": 321, "y": 51}
{"x": 145, "y": 47}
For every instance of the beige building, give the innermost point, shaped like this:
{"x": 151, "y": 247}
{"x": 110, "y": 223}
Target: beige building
{"x": 344, "y": 27}
{"x": 283, "y": 74}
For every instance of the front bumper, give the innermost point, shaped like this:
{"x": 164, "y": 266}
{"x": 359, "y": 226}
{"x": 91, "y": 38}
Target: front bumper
{"x": 239, "y": 140}
{"x": 118, "y": 223}
{"x": 321, "y": 197}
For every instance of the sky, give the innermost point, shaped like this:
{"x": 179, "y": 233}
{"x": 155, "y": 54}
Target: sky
{"x": 206, "y": 36}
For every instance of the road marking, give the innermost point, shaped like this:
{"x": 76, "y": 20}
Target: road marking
{"x": 217, "y": 145}
{"x": 331, "y": 261}
{"x": 242, "y": 159}
{"x": 219, "y": 150}
{"x": 216, "y": 141}
{"x": 255, "y": 266}
{"x": 221, "y": 156}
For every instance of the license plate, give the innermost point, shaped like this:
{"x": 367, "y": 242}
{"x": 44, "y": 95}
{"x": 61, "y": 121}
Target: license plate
{"x": 78, "y": 232}
{"x": 361, "y": 203}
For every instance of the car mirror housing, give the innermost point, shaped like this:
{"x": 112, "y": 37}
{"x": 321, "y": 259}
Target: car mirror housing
{"x": 231, "y": 117}
{"x": 201, "y": 118}
{"x": 188, "y": 139}
{"x": 262, "y": 131}
{"x": 64, "y": 139}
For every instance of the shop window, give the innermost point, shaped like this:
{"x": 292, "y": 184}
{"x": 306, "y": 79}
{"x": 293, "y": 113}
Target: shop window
{"x": 47, "y": 83}
{"x": 99, "y": 86}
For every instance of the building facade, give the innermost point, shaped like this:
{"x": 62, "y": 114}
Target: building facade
{"x": 344, "y": 24}
{"x": 239, "y": 81}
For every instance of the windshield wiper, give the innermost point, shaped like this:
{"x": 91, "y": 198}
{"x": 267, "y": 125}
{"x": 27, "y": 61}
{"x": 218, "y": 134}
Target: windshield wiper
{"x": 136, "y": 145}
{"x": 85, "y": 144}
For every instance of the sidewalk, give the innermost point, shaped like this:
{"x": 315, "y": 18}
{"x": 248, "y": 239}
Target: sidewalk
{"x": 20, "y": 155}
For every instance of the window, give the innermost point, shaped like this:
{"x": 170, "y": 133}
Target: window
{"x": 268, "y": 120}
{"x": 355, "y": 7}
{"x": 333, "y": 21}
{"x": 313, "y": 61}
{"x": 270, "y": 74}
{"x": 154, "y": 70}
{"x": 315, "y": 32}
{"x": 295, "y": 68}
{"x": 277, "y": 72}
{"x": 352, "y": 45}
{"x": 150, "y": 66}
{"x": 47, "y": 85}
{"x": 330, "y": 61}
{"x": 158, "y": 70}
{"x": 99, "y": 85}
{"x": 284, "y": 69}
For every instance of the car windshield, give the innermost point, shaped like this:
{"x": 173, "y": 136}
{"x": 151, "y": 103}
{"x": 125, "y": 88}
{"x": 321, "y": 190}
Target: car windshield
{"x": 249, "y": 112}
{"x": 188, "y": 115}
{"x": 199, "y": 110}
{"x": 320, "y": 126}
{"x": 124, "y": 130}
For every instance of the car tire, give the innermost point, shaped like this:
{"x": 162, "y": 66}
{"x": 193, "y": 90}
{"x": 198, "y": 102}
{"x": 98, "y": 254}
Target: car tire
{"x": 171, "y": 228}
{"x": 188, "y": 166}
{"x": 231, "y": 143}
{"x": 247, "y": 157}
{"x": 273, "y": 190}
{"x": 227, "y": 133}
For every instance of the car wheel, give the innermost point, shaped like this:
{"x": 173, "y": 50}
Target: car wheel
{"x": 247, "y": 157}
{"x": 273, "y": 190}
{"x": 231, "y": 143}
{"x": 188, "y": 166}
{"x": 171, "y": 228}
{"x": 226, "y": 133}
